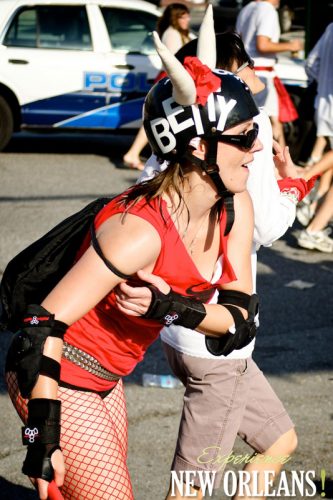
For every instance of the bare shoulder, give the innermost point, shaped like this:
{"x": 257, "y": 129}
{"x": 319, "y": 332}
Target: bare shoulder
{"x": 242, "y": 229}
{"x": 243, "y": 202}
{"x": 129, "y": 242}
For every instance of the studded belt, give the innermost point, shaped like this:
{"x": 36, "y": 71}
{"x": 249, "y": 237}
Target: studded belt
{"x": 87, "y": 362}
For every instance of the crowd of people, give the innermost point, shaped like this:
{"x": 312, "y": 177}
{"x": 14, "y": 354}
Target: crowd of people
{"x": 316, "y": 212}
{"x": 211, "y": 193}
{"x": 258, "y": 25}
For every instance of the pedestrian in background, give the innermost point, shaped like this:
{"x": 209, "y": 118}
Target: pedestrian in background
{"x": 313, "y": 214}
{"x": 319, "y": 67}
{"x": 317, "y": 213}
{"x": 173, "y": 29}
{"x": 259, "y": 27}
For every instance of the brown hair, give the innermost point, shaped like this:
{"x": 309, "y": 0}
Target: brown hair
{"x": 170, "y": 17}
{"x": 170, "y": 181}
{"x": 229, "y": 49}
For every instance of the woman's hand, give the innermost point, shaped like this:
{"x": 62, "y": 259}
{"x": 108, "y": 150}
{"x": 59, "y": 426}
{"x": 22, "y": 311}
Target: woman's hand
{"x": 283, "y": 162}
{"x": 135, "y": 301}
{"x": 58, "y": 465}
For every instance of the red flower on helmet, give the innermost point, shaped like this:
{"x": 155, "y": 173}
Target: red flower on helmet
{"x": 205, "y": 80}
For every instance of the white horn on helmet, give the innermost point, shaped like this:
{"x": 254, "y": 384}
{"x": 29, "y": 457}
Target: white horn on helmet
{"x": 206, "y": 50}
{"x": 184, "y": 90}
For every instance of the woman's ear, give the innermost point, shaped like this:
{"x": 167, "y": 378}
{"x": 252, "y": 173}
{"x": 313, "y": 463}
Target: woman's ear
{"x": 200, "y": 149}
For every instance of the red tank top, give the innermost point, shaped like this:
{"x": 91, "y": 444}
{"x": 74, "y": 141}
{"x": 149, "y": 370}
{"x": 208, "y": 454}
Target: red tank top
{"x": 119, "y": 341}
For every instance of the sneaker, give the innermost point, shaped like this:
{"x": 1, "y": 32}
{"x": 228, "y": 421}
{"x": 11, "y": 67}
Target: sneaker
{"x": 316, "y": 241}
{"x": 304, "y": 214}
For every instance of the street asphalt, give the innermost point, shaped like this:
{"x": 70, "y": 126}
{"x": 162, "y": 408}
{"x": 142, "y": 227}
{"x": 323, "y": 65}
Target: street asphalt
{"x": 44, "y": 179}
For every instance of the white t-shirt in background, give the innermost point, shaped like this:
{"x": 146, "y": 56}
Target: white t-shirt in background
{"x": 173, "y": 41}
{"x": 258, "y": 19}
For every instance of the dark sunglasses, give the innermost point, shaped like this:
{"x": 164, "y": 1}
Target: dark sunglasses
{"x": 244, "y": 141}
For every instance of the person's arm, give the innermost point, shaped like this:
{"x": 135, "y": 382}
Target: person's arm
{"x": 265, "y": 45}
{"x": 326, "y": 163}
{"x": 267, "y": 25}
{"x": 273, "y": 213}
{"x": 129, "y": 244}
{"x": 312, "y": 63}
{"x": 218, "y": 319}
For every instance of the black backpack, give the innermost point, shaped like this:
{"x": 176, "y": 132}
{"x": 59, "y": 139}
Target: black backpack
{"x": 34, "y": 272}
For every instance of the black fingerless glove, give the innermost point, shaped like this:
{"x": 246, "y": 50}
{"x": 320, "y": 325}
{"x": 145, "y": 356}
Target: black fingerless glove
{"x": 175, "y": 308}
{"x": 42, "y": 436}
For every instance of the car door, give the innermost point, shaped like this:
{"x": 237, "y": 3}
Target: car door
{"x": 45, "y": 53}
{"x": 132, "y": 63}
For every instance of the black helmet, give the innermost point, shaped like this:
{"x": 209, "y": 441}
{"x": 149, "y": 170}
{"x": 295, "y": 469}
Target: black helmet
{"x": 170, "y": 126}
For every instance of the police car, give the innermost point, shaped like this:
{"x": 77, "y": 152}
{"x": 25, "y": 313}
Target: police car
{"x": 78, "y": 64}
{"x": 75, "y": 64}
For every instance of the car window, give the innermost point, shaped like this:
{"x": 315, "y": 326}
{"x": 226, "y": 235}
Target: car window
{"x": 52, "y": 27}
{"x": 129, "y": 30}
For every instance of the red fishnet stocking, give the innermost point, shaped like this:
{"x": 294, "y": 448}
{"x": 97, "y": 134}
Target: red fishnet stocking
{"x": 93, "y": 441}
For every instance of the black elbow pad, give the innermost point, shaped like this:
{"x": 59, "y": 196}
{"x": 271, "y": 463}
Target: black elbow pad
{"x": 246, "y": 329}
{"x": 25, "y": 355}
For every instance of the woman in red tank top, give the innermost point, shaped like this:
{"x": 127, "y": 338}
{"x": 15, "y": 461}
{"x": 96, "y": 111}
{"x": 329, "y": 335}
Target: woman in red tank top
{"x": 176, "y": 226}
